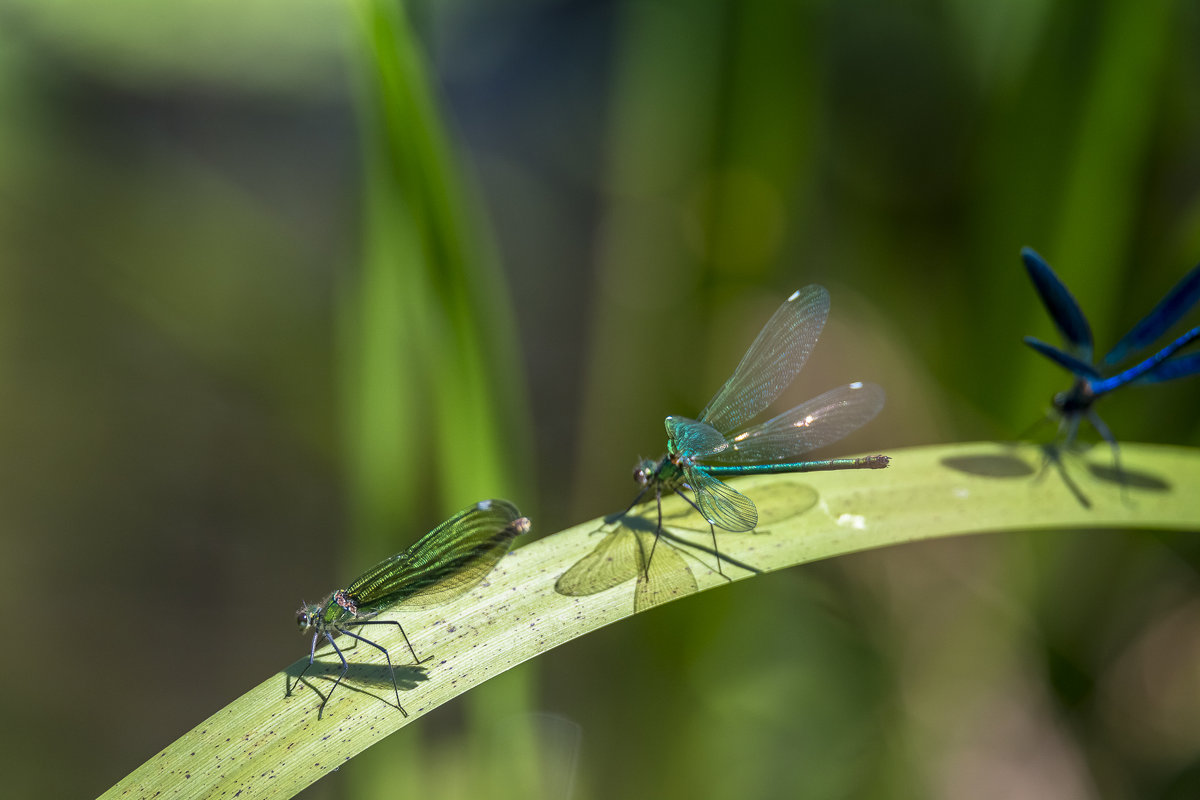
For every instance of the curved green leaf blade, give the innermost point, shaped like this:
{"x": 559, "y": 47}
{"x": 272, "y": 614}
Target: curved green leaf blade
{"x": 267, "y": 745}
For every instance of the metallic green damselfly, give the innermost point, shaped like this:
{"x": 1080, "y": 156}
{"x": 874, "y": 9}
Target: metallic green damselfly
{"x": 443, "y": 564}
{"x": 719, "y": 444}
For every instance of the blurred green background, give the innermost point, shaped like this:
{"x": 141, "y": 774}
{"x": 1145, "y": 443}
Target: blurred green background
{"x": 283, "y": 284}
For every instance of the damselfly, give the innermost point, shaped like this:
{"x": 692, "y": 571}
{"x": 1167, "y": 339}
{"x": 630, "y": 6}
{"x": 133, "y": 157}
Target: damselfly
{"x": 1076, "y": 403}
{"x": 441, "y": 565}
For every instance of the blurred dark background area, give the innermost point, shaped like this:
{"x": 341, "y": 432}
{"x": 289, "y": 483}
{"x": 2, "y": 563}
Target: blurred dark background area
{"x": 181, "y": 215}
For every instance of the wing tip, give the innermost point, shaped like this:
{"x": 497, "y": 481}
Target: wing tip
{"x": 1033, "y": 260}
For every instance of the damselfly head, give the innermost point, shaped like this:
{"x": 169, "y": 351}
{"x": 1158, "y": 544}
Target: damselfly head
{"x": 306, "y": 615}
{"x": 1076, "y": 399}
{"x": 644, "y": 471}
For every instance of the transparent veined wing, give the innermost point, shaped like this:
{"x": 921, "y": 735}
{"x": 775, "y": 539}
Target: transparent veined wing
{"x": 773, "y": 360}
{"x": 821, "y": 421}
{"x": 1061, "y": 304}
{"x": 1169, "y": 310}
{"x": 721, "y": 505}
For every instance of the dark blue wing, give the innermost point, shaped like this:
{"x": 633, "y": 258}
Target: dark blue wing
{"x": 772, "y": 362}
{"x": 1169, "y": 310}
{"x": 1173, "y": 368}
{"x": 1148, "y": 370}
{"x": 1065, "y": 360}
{"x": 1061, "y": 304}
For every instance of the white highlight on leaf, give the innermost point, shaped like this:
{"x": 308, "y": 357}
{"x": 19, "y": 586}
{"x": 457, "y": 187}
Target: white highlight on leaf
{"x": 856, "y": 521}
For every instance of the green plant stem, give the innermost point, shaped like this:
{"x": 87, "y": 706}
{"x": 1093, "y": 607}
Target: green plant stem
{"x": 266, "y": 744}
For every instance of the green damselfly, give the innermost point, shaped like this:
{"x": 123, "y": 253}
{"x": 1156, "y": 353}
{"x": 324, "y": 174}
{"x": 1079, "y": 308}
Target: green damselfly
{"x": 443, "y": 564}
{"x": 718, "y": 444}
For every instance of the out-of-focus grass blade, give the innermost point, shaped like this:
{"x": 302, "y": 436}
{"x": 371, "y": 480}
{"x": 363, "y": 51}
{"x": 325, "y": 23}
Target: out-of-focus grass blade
{"x": 430, "y": 326}
{"x": 433, "y": 407}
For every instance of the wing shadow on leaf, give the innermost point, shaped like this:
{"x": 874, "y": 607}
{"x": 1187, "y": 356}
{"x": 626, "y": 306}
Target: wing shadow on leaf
{"x": 622, "y": 554}
{"x": 626, "y": 547}
{"x": 1128, "y": 478}
{"x": 989, "y": 465}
